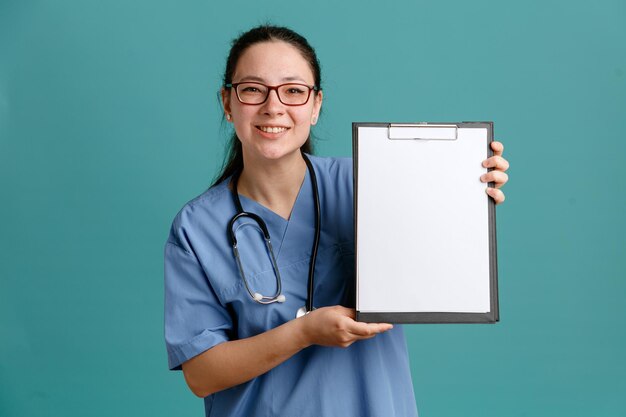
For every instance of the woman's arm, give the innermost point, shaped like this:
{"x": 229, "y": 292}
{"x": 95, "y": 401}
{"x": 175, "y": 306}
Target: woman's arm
{"x": 234, "y": 362}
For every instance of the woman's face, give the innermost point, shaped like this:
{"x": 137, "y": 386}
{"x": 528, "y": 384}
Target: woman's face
{"x": 272, "y": 130}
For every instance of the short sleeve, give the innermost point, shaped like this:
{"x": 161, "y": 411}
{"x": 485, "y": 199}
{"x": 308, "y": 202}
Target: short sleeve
{"x": 195, "y": 320}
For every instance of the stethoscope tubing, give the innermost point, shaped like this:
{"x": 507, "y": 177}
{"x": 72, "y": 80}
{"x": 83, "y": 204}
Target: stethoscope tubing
{"x": 316, "y": 238}
{"x": 259, "y": 221}
{"x": 268, "y": 243}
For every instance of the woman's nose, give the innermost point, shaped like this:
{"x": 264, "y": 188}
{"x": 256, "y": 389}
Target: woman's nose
{"x": 273, "y": 104}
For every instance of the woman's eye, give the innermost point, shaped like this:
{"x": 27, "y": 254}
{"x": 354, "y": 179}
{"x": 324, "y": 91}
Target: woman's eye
{"x": 295, "y": 91}
{"x": 250, "y": 90}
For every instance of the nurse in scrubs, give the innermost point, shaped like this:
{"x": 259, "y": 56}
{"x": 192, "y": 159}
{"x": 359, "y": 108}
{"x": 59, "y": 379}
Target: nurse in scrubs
{"x": 230, "y": 321}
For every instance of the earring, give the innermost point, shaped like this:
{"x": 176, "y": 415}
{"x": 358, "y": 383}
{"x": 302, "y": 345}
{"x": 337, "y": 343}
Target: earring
{"x": 314, "y": 119}
{"x": 228, "y": 117}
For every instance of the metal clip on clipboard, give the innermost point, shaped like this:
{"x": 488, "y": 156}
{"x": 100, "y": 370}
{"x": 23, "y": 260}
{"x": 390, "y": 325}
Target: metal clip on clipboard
{"x": 422, "y": 131}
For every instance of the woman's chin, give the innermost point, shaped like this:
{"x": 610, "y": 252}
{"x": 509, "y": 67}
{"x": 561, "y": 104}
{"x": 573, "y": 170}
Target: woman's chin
{"x": 271, "y": 152}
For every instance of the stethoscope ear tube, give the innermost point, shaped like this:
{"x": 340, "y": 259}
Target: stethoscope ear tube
{"x": 258, "y": 297}
{"x": 257, "y": 219}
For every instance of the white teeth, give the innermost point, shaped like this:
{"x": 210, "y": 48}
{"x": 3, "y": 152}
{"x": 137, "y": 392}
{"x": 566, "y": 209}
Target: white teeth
{"x": 272, "y": 129}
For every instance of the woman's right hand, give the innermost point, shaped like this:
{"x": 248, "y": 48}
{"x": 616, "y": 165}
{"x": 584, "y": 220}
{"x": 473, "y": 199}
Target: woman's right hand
{"x": 335, "y": 326}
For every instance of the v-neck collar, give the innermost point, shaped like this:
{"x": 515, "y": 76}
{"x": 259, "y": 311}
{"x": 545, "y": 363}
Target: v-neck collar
{"x": 276, "y": 224}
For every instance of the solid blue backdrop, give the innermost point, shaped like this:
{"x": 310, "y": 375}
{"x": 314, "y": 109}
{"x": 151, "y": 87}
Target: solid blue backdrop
{"x": 110, "y": 122}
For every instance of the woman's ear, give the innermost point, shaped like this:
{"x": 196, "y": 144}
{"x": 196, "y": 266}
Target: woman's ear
{"x": 225, "y": 93}
{"x": 317, "y": 107}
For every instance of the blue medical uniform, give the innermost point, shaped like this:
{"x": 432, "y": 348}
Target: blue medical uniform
{"x": 206, "y": 303}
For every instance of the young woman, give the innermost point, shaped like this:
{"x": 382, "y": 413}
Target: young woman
{"x": 230, "y": 314}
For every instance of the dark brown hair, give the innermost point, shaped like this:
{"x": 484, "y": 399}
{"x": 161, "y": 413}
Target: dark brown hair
{"x": 265, "y": 33}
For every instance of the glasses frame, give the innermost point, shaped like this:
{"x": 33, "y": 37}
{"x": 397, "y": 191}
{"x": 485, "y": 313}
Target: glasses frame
{"x": 269, "y": 90}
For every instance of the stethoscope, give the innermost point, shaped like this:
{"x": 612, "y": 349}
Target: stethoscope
{"x": 278, "y": 297}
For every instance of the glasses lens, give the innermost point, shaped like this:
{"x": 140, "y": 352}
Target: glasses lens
{"x": 294, "y": 94}
{"x": 251, "y": 93}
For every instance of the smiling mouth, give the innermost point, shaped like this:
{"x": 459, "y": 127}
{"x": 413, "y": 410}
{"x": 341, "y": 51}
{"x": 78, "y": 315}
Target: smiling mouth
{"x": 272, "y": 129}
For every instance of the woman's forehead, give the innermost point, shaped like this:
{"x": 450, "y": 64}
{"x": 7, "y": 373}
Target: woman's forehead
{"x": 273, "y": 62}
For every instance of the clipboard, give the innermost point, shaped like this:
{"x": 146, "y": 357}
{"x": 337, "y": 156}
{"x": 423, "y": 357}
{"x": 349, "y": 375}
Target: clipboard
{"x": 425, "y": 230}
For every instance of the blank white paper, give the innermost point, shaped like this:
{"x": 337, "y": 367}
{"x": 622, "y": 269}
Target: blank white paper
{"x": 422, "y": 223}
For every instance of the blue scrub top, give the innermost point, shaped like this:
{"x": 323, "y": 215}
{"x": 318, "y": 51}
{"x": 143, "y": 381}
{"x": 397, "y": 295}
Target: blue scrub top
{"x": 206, "y": 303}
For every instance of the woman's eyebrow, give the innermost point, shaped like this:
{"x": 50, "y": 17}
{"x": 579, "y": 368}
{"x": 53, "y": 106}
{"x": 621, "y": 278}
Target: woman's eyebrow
{"x": 261, "y": 80}
{"x": 293, "y": 79}
{"x": 252, "y": 78}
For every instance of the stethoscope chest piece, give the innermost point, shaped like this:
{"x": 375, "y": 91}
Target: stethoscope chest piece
{"x": 302, "y": 311}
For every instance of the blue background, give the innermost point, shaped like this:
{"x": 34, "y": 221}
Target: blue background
{"x": 109, "y": 123}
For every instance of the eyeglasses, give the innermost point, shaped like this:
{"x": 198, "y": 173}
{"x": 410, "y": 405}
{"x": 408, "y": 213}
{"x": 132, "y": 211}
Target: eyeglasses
{"x": 291, "y": 94}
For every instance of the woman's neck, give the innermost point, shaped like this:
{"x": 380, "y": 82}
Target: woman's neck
{"x": 274, "y": 185}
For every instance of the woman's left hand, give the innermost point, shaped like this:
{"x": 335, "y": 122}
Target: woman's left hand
{"x": 497, "y": 175}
